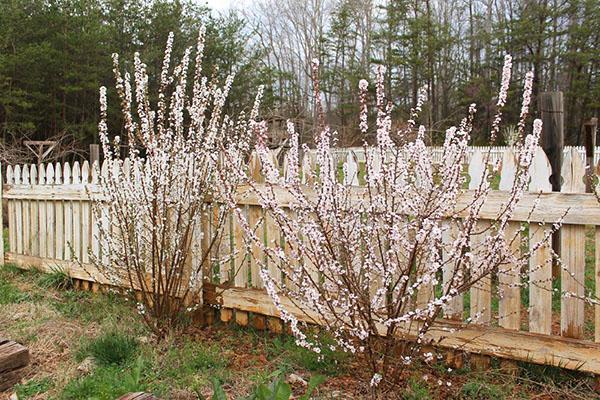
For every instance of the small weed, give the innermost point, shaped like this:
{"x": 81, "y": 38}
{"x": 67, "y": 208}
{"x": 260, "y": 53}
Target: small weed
{"x": 9, "y": 270}
{"x": 33, "y": 388}
{"x": 57, "y": 279}
{"x": 112, "y": 348}
{"x": 417, "y": 390}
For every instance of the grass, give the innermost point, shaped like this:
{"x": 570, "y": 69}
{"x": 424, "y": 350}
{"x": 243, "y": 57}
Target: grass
{"x": 9, "y": 293}
{"x": 111, "y": 348}
{"x": 107, "y": 383}
{"x": 33, "y": 388}
{"x": 57, "y": 279}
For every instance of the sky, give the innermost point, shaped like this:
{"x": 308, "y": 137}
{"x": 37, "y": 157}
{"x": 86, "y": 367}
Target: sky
{"x": 217, "y": 5}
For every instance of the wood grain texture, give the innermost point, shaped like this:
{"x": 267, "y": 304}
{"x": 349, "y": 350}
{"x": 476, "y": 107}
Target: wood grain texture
{"x": 572, "y": 254}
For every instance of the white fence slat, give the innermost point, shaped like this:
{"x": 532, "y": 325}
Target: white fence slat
{"x": 509, "y": 276}
{"x": 42, "y": 224}
{"x": 58, "y": 179}
{"x": 572, "y": 254}
{"x": 540, "y": 263}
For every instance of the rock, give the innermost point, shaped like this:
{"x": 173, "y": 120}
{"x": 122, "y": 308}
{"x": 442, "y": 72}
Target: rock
{"x": 294, "y": 379}
{"x": 87, "y": 365}
{"x": 13, "y": 397}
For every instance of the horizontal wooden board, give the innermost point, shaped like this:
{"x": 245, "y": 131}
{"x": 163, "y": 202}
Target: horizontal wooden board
{"x": 577, "y": 208}
{"x": 558, "y": 351}
{"x": 50, "y": 192}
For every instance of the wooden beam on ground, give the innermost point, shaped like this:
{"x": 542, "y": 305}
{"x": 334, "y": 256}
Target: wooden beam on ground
{"x": 561, "y": 352}
{"x": 13, "y": 357}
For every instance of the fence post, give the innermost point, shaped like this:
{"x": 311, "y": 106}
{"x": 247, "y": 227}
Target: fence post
{"x": 552, "y": 141}
{"x": 94, "y": 153}
{"x": 589, "y": 140}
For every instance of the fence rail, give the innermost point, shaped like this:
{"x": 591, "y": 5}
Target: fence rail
{"x": 50, "y": 224}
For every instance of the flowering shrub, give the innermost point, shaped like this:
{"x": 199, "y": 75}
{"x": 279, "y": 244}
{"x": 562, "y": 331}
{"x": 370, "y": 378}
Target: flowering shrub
{"x": 152, "y": 204}
{"x": 364, "y": 261}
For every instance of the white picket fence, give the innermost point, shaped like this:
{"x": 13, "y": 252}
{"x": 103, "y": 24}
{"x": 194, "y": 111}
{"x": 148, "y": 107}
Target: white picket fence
{"x": 495, "y": 153}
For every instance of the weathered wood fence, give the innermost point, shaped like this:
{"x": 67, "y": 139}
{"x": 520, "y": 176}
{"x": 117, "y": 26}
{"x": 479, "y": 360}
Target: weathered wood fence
{"x": 50, "y": 224}
{"x": 496, "y": 152}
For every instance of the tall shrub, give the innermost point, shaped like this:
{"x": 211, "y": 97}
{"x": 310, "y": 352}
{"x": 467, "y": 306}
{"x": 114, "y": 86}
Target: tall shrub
{"x": 364, "y": 261}
{"x": 152, "y": 204}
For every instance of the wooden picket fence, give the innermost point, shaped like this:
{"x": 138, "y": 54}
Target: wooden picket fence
{"x": 50, "y": 225}
{"x": 495, "y": 153}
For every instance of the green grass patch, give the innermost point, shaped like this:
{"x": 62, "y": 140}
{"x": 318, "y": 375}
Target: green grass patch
{"x": 57, "y": 279}
{"x": 329, "y": 362}
{"x": 416, "y": 390}
{"x": 111, "y": 348}
{"x": 108, "y": 382}
{"x": 10, "y": 294}
{"x": 33, "y": 388}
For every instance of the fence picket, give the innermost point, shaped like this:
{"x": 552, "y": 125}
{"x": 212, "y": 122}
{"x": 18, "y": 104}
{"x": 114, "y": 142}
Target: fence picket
{"x": 572, "y": 254}
{"x": 450, "y": 276}
{"x": 26, "y": 215}
{"x": 68, "y": 219}
{"x": 18, "y": 210}
{"x": 481, "y": 291}
{"x": 351, "y": 170}
{"x": 540, "y": 262}
{"x": 33, "y": 215}
{"x": 85, "y": 217}
{"x": 50, "y": 220}
{"x": 509, "y": 277}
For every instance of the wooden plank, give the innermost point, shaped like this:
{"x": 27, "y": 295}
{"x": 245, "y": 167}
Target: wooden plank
{"x": 68, "y": 229}
{"x": 35, "y": 227}
{"x": 574, "y": 354}
{"x": 241, "y": 268}
{"x": 42, "y": 223}
{"x": 25, "y": 204}
{"x": 59, "y": 228}
{"x": 572, "y": 254}
{"x": 509, "y": 275}
{"x": 509, "y": 283}
{"x": 255, "y": 217}
{"x": 481, "y": 290}
{"x": 455, "y": 307}
{"x": 583, "y": 208}
{"x": 50, "y": 230}
{"x": 12, "y": 355}
{"x": 18, "y": 210}
{"x": 273, "y": 240}
{"x": 12, "y": 226}
{"x": 540, "y": 262}
{"x": 76, "y": 245}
